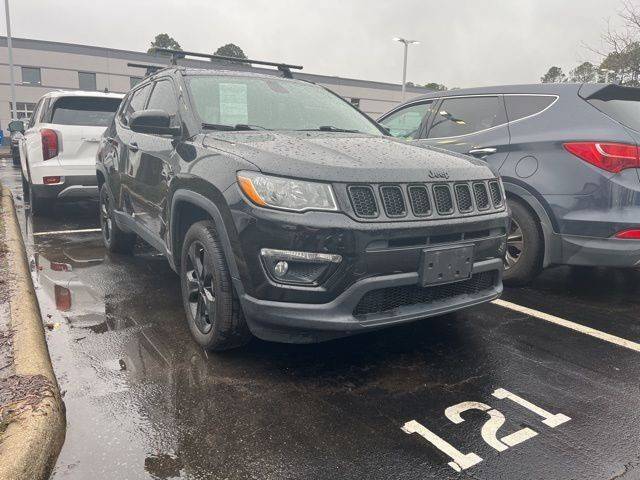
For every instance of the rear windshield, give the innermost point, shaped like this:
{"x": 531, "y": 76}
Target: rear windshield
{"x": 86, "y": 111}
{"x": 621, "y": 104}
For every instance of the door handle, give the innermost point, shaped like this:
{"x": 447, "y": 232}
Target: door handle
{"x": 133, "y": 146}
{"x": 483, "y": 151}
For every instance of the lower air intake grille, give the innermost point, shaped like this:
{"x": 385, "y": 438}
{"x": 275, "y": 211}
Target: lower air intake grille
{"x": 386, "y": 300}
{"x": 363, "y": 201}
{"x": 393, "y": 201}
{"x": 463, "y": 197}
{"x": 482, "y": 197}
{"x": 444, "y": 202}
{"x": 496, "y": 193}
{"x": 419, "y": 197}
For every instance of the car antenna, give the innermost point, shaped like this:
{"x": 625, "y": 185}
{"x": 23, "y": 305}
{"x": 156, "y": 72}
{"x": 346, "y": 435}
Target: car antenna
{"x": 285, "y": 68}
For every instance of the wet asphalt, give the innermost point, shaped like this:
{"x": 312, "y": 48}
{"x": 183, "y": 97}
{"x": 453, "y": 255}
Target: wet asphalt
{"x": 145, "y": 402}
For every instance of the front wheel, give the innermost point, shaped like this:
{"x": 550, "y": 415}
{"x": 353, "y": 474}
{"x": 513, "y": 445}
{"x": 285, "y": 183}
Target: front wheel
{"x": 213, "y": 310}
{"x": 525, "y": 247}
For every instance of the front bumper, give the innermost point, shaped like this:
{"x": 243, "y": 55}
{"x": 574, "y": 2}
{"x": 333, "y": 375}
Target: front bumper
{"x": 374, "y": 257}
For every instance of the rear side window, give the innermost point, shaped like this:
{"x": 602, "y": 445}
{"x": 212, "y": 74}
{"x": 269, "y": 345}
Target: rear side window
{"x": 620, "y": 103}
{"x": 462, "y": 116}
{"x": 520, "y": 106}
{"x": 86, "y": 111}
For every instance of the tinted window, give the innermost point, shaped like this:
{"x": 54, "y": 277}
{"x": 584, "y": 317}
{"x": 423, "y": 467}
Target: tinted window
{"x": 163, "y": 98}
{"x": 520, "y": 106}
{"x": 94, "y": 112}
{"x": 87, "y": 81}
{"x": 31, "y": 75}
{"x": 135, "y": 103}
{"x": 405, "y": 123}
{"x": 272, "y": 103}
{"x": 620, "y": 103}
{"x": 461, "y": 116}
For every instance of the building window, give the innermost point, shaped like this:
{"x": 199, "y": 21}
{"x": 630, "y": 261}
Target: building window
{"x": 133, "y": 81}
{"x": 355, "y": 102}
{"x": 31, "y": 75}
{"x": 87, "y": 81}
{"x": 24, "y": 110}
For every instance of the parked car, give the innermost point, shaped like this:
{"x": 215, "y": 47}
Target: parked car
{"x": 568, "y": 157}
{"x": 291, "y": 215}
{"x": 16, "y": 131}
{"x": 58, "y": 148}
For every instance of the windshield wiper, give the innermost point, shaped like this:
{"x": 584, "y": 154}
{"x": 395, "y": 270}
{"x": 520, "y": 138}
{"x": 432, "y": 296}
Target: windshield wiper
{"x": 330, "y": 128}
{"x": 232, "y": 128}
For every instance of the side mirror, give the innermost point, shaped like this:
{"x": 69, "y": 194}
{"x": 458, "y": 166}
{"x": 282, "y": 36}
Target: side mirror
{"x": 154, "y": 122}
{"x": 16, "y": 126}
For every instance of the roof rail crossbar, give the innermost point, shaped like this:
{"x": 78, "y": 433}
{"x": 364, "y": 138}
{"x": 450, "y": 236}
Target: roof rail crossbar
{"x": 150, "y": 69}
{"x": 177, "y": 54}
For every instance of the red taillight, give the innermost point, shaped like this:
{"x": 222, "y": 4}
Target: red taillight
{"x": 63, "y": 298}
{"x": 50, "y": 180}
{"x": 49, "y": 143}
{"x": 612, "y": 157}
{"x": 632, "y": 234}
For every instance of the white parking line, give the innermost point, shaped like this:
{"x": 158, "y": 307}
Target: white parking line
{"x": 607, "y": 337}
{"x": 64, "y": 232}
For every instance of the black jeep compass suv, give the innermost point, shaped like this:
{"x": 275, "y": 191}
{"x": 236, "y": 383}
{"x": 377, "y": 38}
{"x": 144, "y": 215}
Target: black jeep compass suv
{"x": 291, "y": 215}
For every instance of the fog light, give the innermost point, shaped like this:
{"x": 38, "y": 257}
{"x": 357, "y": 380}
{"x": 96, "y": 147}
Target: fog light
{"x": 281, "y": 269}
{"x": 299, "y": 268}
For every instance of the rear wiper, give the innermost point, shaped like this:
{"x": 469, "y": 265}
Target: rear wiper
{"x": 330, "y": 128}
{"x": 232, "y": 128}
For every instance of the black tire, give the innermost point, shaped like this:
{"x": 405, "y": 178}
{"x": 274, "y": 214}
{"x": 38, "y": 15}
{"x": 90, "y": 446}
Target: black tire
{"x": 16, "y": 160}
{"x": 40, "y": 207}
{"x": 25, "y": 187}
{"x": 115, "y": 240}
{"x": 213, "y": 311}
{"x": 528, "y": 264}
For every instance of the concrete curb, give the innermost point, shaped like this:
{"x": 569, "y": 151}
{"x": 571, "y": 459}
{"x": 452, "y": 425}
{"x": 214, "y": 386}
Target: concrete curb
{"x": 31, "y": 443}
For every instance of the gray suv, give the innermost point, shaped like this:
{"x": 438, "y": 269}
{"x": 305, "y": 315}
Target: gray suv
{"x": 568, "y": 156}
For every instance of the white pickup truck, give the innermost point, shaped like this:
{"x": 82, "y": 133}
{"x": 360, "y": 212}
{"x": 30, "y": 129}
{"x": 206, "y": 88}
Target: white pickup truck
{"x": 58, "y": 149}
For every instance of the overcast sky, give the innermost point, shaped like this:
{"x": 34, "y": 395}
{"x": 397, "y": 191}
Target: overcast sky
{"x": 463, "y": 42}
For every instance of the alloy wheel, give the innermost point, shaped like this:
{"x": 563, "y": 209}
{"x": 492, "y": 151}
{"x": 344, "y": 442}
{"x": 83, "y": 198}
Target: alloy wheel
{"x": 201, "y": 296}
{"x": 515, "y": 245}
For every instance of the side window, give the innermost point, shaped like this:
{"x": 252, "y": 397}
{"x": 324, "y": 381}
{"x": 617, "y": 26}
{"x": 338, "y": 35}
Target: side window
{"x": 405, "y": 123}
{"x": 520, "y": 106}
{"x": 163, "y": 98}
{"x": 135, "y": 102}
{"x": 462, "y": 116}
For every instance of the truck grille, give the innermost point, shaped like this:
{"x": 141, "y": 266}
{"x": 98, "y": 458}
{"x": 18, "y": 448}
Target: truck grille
{"x": 363, "y": 201}
{"x": 388, "y": 300}
{"x": 415, "y": 200}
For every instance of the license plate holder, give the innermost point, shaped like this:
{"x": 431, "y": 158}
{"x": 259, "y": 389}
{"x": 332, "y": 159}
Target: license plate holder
{"x": 446, "y": 265}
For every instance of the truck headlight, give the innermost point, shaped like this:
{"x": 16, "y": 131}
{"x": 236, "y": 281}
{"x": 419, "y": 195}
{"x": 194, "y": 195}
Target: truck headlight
{"x": 286, "y": 193}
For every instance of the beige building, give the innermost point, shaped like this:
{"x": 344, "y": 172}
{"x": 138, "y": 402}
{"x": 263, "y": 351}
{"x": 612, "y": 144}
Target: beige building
{"x": 42, "y": 66}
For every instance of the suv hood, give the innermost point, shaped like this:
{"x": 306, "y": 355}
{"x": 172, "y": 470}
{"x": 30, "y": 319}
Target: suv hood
{"x": 346, "y": 157}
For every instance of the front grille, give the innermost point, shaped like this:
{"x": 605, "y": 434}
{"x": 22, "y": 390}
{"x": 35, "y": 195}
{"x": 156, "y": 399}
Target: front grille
{"x": 444, "y": 202}
{"x": 363, "y": 201}
{"x": 496, "y": 193}
{"x": 393, "y": 201}
{"x": 482, "y": 197}
{"x": 463, "y": 197}
{"x": 419, "y": 198}
{"x": 387, "y": 300}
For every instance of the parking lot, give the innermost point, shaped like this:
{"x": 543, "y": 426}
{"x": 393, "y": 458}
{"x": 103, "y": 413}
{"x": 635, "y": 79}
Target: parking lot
{"x": 550, "y": 392}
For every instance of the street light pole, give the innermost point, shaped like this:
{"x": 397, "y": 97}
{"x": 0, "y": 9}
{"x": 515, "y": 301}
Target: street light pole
{"x": 11, "y": 73}
{"x": 404, "y": 68}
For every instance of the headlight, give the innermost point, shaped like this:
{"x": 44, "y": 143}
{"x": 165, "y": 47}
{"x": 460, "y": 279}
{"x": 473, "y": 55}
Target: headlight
{"x": 286, "y": 193}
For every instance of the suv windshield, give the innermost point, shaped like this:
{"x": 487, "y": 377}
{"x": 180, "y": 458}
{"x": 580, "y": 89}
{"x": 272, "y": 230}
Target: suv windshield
{"x": 273, "y": 104}
{"x": 85, "y": 111}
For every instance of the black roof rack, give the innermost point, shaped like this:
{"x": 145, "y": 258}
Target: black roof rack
{"x": 177, "y": 54}
{"x": 150, "y": 69}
